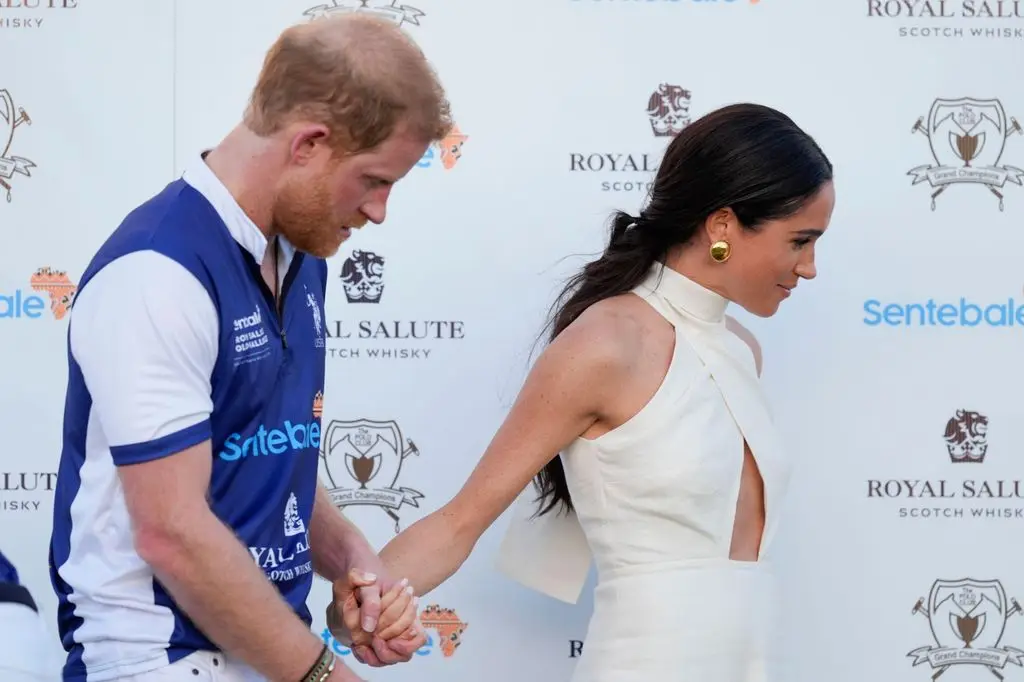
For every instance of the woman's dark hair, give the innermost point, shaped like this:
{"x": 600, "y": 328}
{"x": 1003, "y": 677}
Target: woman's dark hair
{"x": 747, "y": 157}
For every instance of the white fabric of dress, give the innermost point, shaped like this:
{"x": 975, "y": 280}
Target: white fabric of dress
{"x": 655, "y": 507}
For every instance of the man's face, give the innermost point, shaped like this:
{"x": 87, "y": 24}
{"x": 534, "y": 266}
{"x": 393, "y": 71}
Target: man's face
{"x": 321, "y": 201}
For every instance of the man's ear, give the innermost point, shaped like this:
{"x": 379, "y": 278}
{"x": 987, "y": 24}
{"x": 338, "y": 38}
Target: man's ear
{"x": 307, "y": 141}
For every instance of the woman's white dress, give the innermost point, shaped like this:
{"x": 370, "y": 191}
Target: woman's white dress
{"x": 655, "y": 507}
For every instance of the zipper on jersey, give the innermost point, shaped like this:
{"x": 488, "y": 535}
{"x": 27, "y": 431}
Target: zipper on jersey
{"x": 276, "y": 304}
{"x": 289, "y": 279}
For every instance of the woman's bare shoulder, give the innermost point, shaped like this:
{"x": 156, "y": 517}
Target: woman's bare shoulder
{"x": 611, "y": 335}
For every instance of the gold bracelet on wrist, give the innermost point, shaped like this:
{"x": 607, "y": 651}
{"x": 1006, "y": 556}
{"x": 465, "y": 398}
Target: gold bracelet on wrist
{"x": 323, "y": 667}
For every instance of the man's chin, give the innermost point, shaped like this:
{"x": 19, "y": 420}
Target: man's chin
{"x": 324, "y": 252}
{"x": 321, "y": 249}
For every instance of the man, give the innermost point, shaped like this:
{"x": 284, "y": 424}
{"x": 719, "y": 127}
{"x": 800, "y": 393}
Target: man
{"x": 196, "y": 372}
{"x": 26, "y": 647}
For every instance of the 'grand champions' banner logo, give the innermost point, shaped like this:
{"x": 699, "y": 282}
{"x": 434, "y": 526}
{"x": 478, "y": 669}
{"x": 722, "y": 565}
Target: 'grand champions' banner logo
{"x": 10, "y": 164}
{"x": 967, "y": 619}
{"x": 363, "y": 461}
{"x": 967, "y": 137}
{"x": 392, "y": 10}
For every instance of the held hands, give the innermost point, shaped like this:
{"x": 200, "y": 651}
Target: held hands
{"x": 381, "y": 630}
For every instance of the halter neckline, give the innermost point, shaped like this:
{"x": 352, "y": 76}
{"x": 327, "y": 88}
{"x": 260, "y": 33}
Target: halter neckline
{"x": 683, "y": 293}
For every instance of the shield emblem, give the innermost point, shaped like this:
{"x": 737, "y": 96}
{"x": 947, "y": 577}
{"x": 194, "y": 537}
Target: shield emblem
{"x": 8, "y": 118}
{"x": 967, "y": 132}
{"x": 364, "y": 450}
{"x": 967, "y": 613}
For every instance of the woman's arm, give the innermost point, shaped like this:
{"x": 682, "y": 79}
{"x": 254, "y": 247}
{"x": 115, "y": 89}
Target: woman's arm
{"x": 564, "y": 394}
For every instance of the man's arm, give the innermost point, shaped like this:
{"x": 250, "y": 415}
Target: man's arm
{"x": 336, "y": 544}
{"x": 337, "y": 547}
{"x": 145, "y": 334}
{"x": 210, "y": 575}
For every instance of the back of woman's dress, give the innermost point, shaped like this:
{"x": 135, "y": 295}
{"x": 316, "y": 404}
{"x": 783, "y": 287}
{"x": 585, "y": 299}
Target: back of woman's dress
{"x": 656, "y": 501}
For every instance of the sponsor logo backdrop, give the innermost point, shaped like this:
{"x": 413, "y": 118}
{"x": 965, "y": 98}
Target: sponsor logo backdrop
{"x": 895, "y": 375}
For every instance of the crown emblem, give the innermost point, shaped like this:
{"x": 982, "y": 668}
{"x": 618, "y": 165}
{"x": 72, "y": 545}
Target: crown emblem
{"x": 318, "y": 405}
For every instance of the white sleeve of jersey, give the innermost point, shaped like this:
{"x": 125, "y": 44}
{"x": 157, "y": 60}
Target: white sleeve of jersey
{"x": 144, "y": 333}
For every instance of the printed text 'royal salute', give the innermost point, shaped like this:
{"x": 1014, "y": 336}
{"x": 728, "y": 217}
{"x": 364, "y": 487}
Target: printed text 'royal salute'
{"x": 38, "y": 4}
{"x": 397, "y": 329}
{"x": 947, "y": 9}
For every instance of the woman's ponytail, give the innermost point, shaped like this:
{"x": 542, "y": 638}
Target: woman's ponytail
{"x": 633, "y": 247}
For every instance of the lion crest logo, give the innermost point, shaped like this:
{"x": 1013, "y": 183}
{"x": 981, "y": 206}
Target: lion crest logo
{"x": 966, "y": 437}
{"x": 362, "y": 276}
{"x": 668, "y": 109}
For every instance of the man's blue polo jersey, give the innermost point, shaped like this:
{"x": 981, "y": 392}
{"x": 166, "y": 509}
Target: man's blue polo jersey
{"x": 174, "y": 340}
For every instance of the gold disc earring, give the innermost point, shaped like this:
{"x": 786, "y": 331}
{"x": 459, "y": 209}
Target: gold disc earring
{"x": 720, "y": 251}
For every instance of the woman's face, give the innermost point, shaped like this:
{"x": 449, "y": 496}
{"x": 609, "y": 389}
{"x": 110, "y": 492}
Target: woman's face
{"x": 766, "y": 265}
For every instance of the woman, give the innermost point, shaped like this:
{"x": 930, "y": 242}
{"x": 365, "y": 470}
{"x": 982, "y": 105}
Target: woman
{"x": 670, "y": 466}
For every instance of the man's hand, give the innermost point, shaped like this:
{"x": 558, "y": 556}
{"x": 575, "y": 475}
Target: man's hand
{"x": 398, "y": 634}
{"x": 367, "y": 566}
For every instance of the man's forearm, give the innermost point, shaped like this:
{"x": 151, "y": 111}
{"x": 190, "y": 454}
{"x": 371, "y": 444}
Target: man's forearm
{"x": 214, "y": 579}
{"x": 336, "y": 544}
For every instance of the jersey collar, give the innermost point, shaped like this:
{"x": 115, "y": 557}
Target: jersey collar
{"x": 242, "y": 228}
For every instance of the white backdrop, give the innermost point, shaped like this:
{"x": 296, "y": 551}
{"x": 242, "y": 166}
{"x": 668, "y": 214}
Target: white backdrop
{"x": 551, "y": 97}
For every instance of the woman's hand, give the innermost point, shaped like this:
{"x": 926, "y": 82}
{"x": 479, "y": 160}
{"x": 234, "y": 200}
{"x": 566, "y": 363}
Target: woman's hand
{"x": 399, "y": 613}
{"x": 398, "y": 634}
